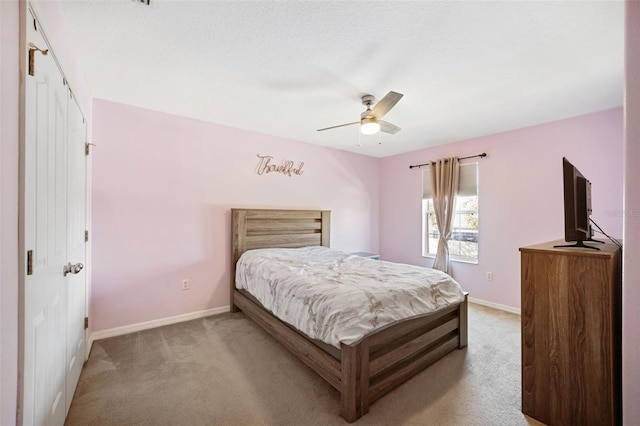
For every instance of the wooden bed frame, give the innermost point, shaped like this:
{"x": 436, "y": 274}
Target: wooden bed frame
{"x": 368, "y": 368}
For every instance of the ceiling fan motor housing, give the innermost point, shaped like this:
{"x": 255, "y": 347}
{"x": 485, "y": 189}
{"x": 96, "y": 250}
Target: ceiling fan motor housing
{"x": 367, "y": 100}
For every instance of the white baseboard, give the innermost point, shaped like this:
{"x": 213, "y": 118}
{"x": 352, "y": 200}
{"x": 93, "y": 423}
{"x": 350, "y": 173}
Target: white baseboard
{"x": 506, "y": 308}
{"x": 132, "y": 328}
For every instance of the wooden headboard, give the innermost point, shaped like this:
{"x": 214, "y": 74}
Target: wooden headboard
{"x": 253, "y": 229}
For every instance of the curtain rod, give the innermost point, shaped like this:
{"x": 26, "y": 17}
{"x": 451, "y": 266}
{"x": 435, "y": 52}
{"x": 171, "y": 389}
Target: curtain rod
{"x": 484, "y": 154}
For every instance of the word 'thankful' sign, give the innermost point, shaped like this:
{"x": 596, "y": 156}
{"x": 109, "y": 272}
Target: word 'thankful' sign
{"x": 286, "y": 167}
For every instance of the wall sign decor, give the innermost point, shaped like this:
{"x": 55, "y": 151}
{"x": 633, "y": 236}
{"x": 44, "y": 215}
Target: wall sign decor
{"x": 286, "y": 167}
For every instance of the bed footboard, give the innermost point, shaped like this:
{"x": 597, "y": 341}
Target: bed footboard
{"x": 379, "y": 362}
{"x": 387, "y": 358}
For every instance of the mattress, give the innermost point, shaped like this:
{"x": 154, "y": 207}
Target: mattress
{"x": 337, "y": 297}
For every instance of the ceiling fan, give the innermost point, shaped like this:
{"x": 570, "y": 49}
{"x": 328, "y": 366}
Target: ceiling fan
{"x": 370, "y": 120}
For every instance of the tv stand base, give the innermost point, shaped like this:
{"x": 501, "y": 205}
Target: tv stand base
{"x": 581, "y": 244}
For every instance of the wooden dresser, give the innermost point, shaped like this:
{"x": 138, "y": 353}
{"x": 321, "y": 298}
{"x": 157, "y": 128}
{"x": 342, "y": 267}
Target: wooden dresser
{"x": 571, "y": 334}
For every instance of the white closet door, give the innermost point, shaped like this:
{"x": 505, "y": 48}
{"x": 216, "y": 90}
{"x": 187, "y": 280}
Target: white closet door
{"x": 76, "y": 247}
{"x": 54, "y": 238}
{"x": 45, "y": 212}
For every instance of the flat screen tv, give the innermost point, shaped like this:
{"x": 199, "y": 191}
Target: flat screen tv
{"x": 577, "y": 207}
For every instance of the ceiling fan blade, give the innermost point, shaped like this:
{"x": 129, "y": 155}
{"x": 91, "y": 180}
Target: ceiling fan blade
{"x": 339, "y": 125}
{"x": 385, "y": 104}
{"x": 387, "y": 127}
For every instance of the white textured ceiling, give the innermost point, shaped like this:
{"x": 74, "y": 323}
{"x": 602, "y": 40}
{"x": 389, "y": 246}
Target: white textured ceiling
{"x": 287, "y": 68}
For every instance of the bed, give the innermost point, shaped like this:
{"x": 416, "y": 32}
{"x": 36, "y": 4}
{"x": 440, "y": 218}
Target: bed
{"x": 363, "y": 370}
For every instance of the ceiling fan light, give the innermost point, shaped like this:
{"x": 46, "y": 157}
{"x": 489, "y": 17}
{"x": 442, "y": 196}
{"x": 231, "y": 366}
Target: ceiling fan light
{"x": 369, "y": 126}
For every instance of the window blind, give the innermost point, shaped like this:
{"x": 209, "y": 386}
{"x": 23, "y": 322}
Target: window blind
{"x": 467, "y": 183}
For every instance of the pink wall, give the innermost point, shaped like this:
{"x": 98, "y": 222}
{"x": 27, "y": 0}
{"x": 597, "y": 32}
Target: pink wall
{"x": 162, "y": 190}
{"x": 9, "y": 83}
{"x": 631, "y": 274}
{"x": 521, "y": 196}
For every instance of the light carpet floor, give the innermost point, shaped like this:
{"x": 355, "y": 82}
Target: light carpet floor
{"x": 225, "y": 370}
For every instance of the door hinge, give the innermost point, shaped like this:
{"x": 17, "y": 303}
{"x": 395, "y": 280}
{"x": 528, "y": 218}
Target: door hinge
{"x": 30, "y": 262}
{"x": 86, "y": 147}
{"x": 86, "y": 236}
{"x": 32, "y": 60}
{"x": 86, "y": 322}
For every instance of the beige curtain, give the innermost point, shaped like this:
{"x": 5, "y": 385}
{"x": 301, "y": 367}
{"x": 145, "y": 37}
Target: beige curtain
{"x": 444, "y": 184}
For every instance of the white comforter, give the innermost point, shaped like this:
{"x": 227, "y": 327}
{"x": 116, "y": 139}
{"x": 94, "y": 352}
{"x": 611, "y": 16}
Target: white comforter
{"x": 336, "y": 297}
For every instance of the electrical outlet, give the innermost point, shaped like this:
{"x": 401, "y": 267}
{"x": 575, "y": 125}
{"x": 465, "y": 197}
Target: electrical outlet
{"x": 185, "y": 284}
{"x": 489, "y": 276}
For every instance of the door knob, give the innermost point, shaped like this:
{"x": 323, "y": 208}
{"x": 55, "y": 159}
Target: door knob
{"x": 74, "y": 269}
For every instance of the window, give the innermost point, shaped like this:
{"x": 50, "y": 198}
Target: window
{"x": 463, "y": 244}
